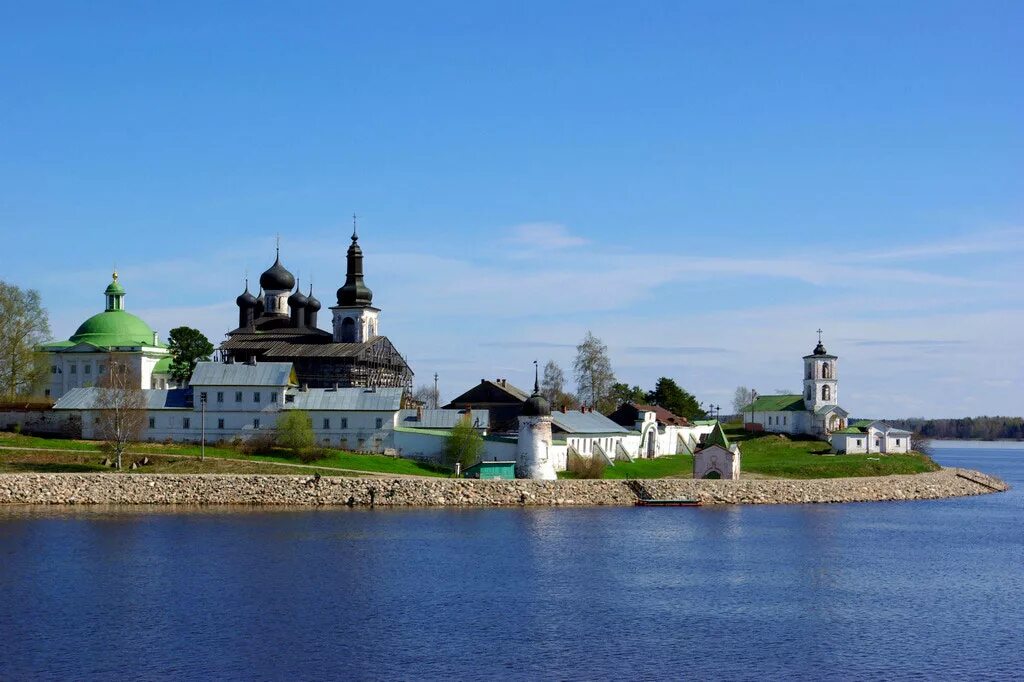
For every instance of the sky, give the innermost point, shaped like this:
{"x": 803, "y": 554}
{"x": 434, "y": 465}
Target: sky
{"x": 701, "y": 185}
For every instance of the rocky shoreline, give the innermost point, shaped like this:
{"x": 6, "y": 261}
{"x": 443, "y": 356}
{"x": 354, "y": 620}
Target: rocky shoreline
{"x": 234, "y": 489}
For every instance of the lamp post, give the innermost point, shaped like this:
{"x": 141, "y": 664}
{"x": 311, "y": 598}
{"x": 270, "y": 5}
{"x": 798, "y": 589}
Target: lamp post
{"x": 202, "y": 439}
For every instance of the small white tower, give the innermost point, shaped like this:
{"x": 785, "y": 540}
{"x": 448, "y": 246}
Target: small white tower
{"x": 821, "y": 379}
{"x": 533, "y": 451}
{"x": 355, "y": 319}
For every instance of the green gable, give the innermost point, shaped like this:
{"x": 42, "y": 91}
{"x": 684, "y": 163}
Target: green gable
{"x": 777, "y": 403}
{"x": 717, "y": 437}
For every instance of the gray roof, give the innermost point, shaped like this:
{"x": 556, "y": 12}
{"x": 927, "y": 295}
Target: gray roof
{"x": 241, "y": 374}
{"x": 346, "y": 399}
{"x": 442, "y": 419}
{"x": 156, "y": 399}
{"x": 575, "y": 421}
{"x": 825, "y": 409}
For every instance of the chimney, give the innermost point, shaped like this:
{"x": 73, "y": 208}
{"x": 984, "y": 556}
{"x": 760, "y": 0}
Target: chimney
{"x": 335, "y": 386}
{"x": 303, "y": 387}
{"x": 156, "y": 339}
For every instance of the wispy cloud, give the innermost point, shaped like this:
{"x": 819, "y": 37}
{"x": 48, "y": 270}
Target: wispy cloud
{"x": 544, "y": 236}
{"x": 994, "y": 241}
{"x": 902, "y": 343}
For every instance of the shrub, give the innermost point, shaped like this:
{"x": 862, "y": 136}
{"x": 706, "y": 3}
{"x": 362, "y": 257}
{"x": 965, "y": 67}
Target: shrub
{"x": 257, "y": 444}
{"x": 295, "y": 431}
{"x": 314, "y": 454}
{"x": 585, "y": 467}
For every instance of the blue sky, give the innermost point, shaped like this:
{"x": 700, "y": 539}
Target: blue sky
{"x": 701, "y": 184}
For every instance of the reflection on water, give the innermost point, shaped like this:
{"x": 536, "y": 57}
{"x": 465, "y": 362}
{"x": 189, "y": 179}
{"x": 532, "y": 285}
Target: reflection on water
{"x": 928, "y": 589}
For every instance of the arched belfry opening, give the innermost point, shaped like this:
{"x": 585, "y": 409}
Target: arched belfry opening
{"x": 348, "y": 330}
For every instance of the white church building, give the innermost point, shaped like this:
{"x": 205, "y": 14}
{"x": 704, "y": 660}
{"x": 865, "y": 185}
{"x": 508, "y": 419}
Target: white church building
{"x": 816, "y": 411}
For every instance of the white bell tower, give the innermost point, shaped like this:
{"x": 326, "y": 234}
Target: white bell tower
{"x": 821, "y": 378}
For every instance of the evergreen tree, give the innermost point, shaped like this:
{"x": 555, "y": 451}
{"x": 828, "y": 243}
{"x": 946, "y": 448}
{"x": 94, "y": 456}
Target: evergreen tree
{"x": 188, "y": 346}
{"x": 668, "y": 394}
{"x": 624, "y": 393}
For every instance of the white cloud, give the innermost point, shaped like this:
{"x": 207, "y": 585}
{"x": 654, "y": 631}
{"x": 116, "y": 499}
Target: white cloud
{"x": 544, "y": 236}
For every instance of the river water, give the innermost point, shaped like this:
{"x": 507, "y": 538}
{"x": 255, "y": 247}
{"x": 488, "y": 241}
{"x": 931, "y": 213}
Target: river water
{"x": 930, "y": 589}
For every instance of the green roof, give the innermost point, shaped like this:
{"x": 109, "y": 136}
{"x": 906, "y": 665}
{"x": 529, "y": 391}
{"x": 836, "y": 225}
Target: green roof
{"x": 717, "y": 437}
{"x": 114, "y": 288}
{"x": 862, "y": 423}
{"x": 776, "y": 403}
{"x": 110, "y": 328}
{"x": 162, "y": 367}
{"x": 850, "y": 429}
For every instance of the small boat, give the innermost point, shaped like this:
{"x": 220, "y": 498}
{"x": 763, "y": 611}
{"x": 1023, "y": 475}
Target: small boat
{"x": 647, "y": 502}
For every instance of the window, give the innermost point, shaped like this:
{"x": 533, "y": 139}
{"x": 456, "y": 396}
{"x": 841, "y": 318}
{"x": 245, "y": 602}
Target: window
{"x": 186, "y": 423}
{"x": 74, "y": 368}
{"x": 826, "y": 370}
{"x": 220, "y": 423}
{"x": 784, "y": 419}
{"x": 152, "y": 422}
{"x": 327, "y": 423}
{"x": 256, "y": 397}
{"x": 273, "y": 397}
{"x": 47, "y": 393}
{"x": 809, "y": 394}
{"x": 256, "y": 423}
{"x": 100, "y": 369}
{"x": 53, "y": 369}
{"x": 859, "y": 442}
{"x": 348, "y": 330}
{"x": 202, "y": 397}
{"x": 220, "y": 396}
{"x": 826, "y": 392}
{"x": 344, "y": 422}
{"x": 380, "y": 423}
{"x": 238, "y": 396}
{"x": 877, "y": 442}
{"x": 897, "y": 441}
{"x": 289, "y": 398}
{"x": 87, "y": 369}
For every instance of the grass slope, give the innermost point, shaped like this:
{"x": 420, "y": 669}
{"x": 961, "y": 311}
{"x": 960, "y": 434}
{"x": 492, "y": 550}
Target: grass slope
{"x": 336, "y": 459}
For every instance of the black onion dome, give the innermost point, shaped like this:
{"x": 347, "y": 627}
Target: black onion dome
{"x": 312, "y": 303}
{"x": 355, "y": 292}
{"x": 820, "y": 349}
{"x": 297, "y": 300}
{"x": 277, "y": 278}
{"x": 246, "y": 299}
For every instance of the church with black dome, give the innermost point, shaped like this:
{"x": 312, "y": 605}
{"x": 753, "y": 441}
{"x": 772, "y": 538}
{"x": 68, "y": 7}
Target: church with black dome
{"x": 280, "y": 325}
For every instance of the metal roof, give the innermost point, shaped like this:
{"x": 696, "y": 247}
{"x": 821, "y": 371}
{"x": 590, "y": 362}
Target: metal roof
{"x": 776, "y": 403}
{"x": 345, "y": 399}
{"x": 825, "y": 409}
{"x": 240, "y": 374}
{"x": 442, "y": 419}
{"x": 156, "y": 399}
{"x": 575, "y": 421}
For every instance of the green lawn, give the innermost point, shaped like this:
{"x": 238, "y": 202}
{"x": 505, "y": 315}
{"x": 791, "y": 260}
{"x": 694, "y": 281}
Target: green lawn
{"x": 337, "y": 459}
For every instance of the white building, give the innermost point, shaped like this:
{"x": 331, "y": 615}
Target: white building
{"x": 242, "y": 400}
{"x": 868, "y": 437}
{"x": 717, "y": 458}
{"x": 815, "y": 412}
{"x": 113, "y": 334}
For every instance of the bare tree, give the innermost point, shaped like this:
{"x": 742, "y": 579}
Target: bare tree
{"x": 594, "y": 376}
{"x": 24, "y": 325}
{"x": 552, "y": 384}
{"x": 121, "y": 404}
{"x": 744, "y": 396}
{"x": 427, "y": 396}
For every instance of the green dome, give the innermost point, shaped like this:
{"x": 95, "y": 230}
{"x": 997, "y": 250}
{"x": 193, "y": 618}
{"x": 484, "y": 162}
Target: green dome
{"x": 114, "y": 287}
{"x": 114, "y": 328}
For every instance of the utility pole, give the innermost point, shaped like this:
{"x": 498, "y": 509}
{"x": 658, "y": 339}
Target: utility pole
{"x": 202, "y": 441}
{"x": 437, "y": 396}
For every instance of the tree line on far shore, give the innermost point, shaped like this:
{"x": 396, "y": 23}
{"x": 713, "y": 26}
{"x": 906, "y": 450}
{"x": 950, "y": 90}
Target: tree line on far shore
{"x": 966, "y": 428}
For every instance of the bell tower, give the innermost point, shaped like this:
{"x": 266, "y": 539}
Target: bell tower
{"x": 355, "y": 318}
{"x": 821, "y": 379}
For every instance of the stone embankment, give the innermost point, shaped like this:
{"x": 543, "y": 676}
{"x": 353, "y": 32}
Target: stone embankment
{"x": 212, "y": 489}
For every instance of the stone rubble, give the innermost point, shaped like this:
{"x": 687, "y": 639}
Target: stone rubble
{"x": 220, "y": 489}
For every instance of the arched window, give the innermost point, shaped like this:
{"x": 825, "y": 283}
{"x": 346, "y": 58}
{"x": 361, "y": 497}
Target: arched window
{"x": 348, "y": 330}
{"x": 713, "y": 474}
{"x": 809, "y": 374}
{"x": 810, "y": 394}
{"x": 826, "y": 392}
{"x": 826, "y": 370}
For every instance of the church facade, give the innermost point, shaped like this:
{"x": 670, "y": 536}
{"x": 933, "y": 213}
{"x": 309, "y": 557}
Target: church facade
{"x": 816, "y": 411}
{"x": 281, "y": 325}
{"x": 113, "y": 335}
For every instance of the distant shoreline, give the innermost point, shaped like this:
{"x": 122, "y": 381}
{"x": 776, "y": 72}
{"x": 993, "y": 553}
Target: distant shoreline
{"x": 280, "y": 490}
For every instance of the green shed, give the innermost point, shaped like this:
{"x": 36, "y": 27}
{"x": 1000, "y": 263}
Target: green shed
{"x": 492, "y": 470}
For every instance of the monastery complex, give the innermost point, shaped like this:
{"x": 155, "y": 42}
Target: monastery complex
{"x": 356, "y": 388}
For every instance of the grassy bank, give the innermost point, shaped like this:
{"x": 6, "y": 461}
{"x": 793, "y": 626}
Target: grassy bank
{"x": 773, "y": 456}
{"x": 77, "y": 453}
